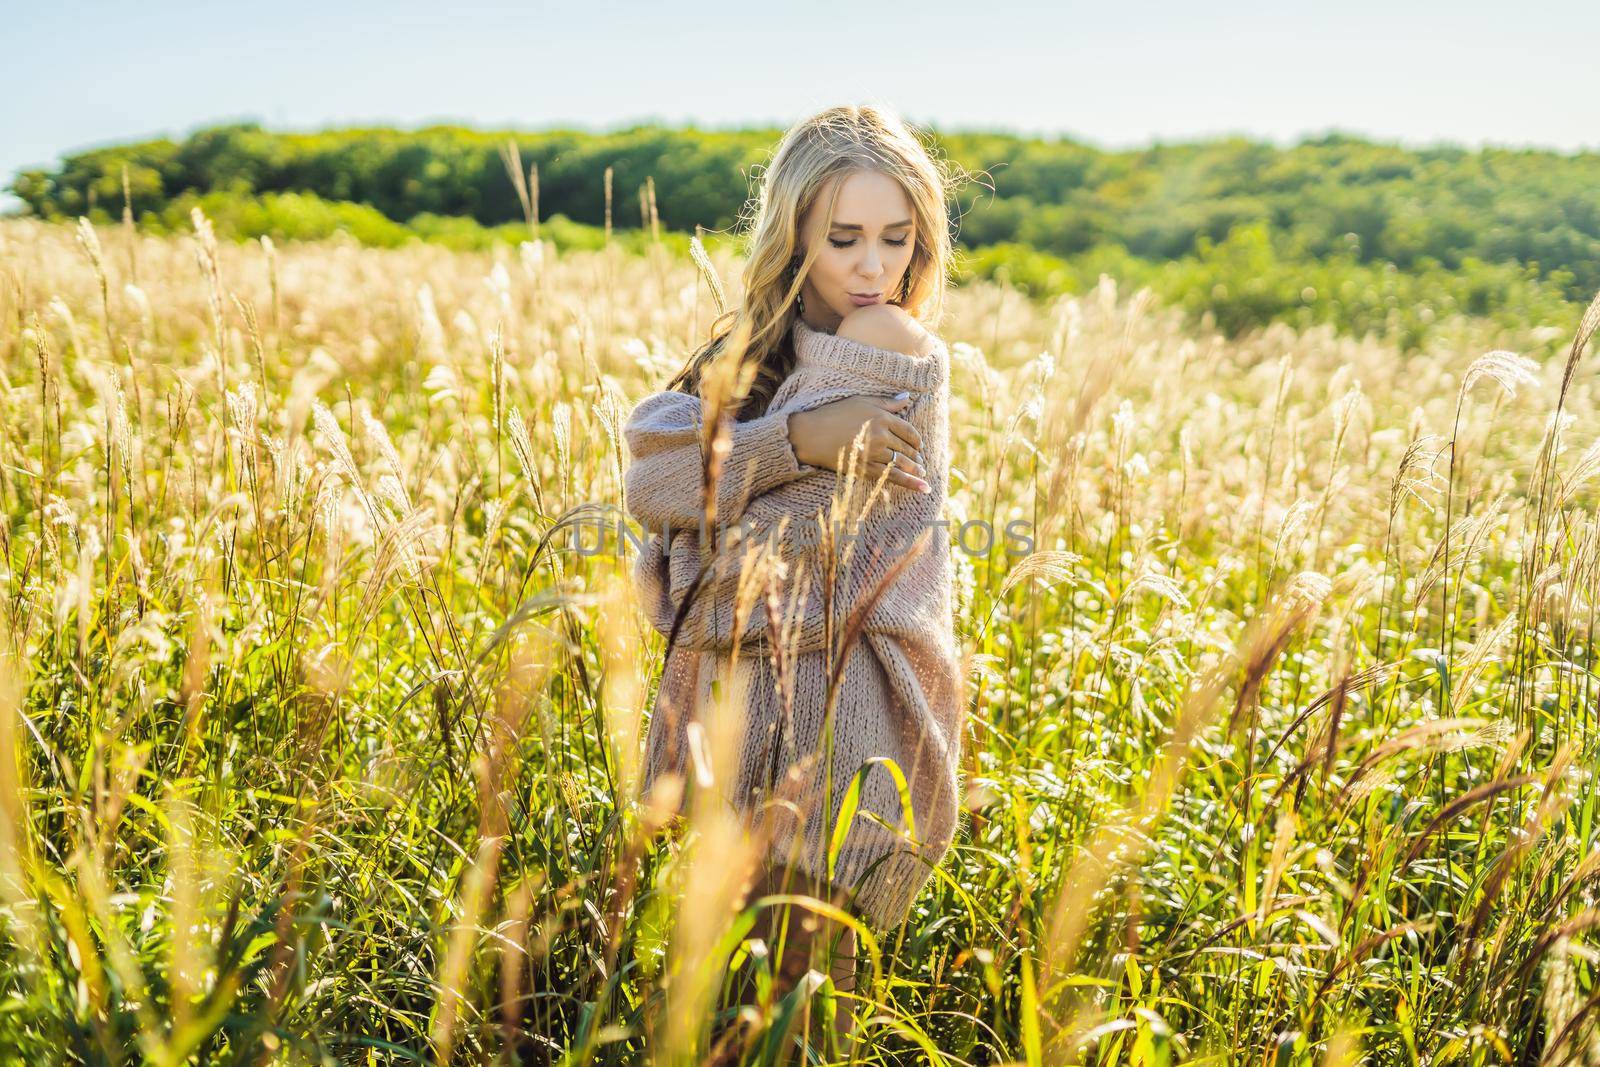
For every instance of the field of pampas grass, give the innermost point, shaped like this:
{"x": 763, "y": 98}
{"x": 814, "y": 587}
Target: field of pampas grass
{"x": 318, "y": 725}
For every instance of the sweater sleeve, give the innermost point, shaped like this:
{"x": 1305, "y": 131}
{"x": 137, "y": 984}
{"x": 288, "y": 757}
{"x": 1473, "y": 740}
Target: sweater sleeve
{"x": 663, "y": 484}
{"x": 886, "y": 533}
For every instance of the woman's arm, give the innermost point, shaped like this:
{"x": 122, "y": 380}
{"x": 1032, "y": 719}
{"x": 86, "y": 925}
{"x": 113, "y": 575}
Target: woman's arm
{"x": 663, "y": 483}
{"x": 888, "y": 532}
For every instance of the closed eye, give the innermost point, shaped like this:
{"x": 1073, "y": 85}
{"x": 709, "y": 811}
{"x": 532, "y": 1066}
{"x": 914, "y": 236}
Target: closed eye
{"x": 847, "y": 244}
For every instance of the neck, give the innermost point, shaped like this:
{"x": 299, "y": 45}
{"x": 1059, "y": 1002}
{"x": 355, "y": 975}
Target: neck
{"x": 830, "y": 325}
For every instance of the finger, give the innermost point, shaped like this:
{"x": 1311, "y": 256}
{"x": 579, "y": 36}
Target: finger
{"x": 889, "y": 403}
{"x": 874, "y": 471}
{"x": 906, "y": 461}
{"x": 905, "y": 432}
{"x": 910, "y": 458}
{"x": 899, "y": 477}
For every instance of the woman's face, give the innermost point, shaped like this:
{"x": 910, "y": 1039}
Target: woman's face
{"x": 863, "y": 258}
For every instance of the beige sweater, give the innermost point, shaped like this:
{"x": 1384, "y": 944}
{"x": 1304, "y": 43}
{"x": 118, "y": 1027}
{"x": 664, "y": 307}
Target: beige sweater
{"x": 901, "y": 692}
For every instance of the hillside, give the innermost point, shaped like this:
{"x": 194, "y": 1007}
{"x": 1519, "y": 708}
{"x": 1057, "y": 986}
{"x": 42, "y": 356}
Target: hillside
{"x": 1370, "y": 237}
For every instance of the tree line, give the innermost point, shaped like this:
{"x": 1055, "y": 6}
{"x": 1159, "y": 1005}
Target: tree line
{"x": 1486, "y": 231}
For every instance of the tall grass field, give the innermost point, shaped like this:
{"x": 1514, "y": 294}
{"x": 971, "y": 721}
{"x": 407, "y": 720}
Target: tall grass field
{"x": 321, "y": 715}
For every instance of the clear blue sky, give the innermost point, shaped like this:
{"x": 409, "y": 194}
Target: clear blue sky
{"x": 1116, "y": 74}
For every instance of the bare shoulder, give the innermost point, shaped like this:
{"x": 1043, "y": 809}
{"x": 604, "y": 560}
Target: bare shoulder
{"x": 886, "y": 326}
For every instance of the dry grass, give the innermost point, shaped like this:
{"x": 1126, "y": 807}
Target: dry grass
{"x": 318, "y": 731}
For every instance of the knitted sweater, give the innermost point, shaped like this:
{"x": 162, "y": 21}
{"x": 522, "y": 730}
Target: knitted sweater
{"x": 900, "y": 694}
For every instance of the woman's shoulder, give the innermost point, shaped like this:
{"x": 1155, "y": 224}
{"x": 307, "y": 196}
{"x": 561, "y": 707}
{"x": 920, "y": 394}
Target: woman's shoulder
{"x": 667, "y": 412}
{"x": 883, "y": 353}
{"x": 888, "y": 326}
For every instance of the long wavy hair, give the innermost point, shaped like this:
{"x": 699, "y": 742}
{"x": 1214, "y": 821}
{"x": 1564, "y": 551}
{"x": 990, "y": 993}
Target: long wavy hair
{"x": 814, "y": 157}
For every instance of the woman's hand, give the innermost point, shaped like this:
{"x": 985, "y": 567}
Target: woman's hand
{"x": 822, "y": 436}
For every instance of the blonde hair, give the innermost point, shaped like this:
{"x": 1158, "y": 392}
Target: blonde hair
{"x": 826, "y": 147}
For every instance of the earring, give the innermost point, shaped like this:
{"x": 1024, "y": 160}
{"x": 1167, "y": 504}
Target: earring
{"x": 799, "y": 298}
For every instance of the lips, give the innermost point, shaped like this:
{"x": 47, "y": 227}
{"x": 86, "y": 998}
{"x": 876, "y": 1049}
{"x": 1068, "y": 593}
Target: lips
{"x": 864, "y": 299}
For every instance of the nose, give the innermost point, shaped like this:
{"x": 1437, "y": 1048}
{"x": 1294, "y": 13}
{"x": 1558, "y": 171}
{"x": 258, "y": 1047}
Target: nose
{"x": 873, "y": 265}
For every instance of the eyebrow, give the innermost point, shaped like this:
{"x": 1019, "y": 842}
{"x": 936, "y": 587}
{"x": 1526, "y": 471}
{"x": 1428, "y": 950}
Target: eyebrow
{"x": 857, "y": 226}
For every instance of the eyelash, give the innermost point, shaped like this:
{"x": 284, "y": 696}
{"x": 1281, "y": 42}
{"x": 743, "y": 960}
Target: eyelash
{"x": 847, "y": 244}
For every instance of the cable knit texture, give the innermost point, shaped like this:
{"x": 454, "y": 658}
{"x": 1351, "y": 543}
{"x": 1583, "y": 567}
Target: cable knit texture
{"x": 900, "y": 694}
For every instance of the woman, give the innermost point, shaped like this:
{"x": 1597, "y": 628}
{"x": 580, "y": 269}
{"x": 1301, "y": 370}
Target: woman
{"x": 844, "y": 424}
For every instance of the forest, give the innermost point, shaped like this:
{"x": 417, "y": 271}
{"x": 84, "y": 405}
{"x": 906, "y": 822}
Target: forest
{"x": 1366, "y": 236}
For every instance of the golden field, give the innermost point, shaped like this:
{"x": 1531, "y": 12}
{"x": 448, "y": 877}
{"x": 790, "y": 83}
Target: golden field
{"x": 318, "y": 732}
